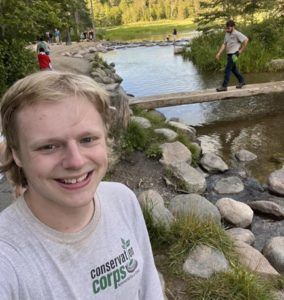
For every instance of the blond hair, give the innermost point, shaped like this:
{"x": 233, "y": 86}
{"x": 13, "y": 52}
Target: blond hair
{"x": 41, "y": 87}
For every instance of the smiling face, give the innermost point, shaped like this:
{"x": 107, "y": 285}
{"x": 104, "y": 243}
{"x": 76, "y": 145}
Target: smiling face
{"x": 63, "y": 152}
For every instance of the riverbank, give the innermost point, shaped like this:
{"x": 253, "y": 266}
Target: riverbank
{"x": 142, "y": 173}
{"x": 146, "y": 30}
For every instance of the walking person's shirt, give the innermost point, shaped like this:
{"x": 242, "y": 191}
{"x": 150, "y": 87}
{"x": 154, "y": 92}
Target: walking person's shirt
{"x": 111, "y": 258}
{"x": 233, "y": 41}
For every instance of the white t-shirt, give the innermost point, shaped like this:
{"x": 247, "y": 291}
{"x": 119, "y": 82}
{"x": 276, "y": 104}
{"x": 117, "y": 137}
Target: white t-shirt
{"x": 233, "y": 41}
{"x": 111, "y": 258}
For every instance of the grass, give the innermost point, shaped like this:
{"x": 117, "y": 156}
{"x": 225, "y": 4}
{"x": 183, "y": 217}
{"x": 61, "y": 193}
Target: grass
{"x": 145, "y": 139}
{"x": 173, "y": 245}
{"x": 145, "y": 30}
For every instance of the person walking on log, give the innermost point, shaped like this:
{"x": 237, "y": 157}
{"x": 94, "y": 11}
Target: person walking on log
{"x": 235, "y": 43}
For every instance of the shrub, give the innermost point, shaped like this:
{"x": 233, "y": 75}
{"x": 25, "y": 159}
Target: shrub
{"x": 15, "y": 62}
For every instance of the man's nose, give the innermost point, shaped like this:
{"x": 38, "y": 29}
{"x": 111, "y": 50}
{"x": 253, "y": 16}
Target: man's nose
{"x": 73, "y": 158}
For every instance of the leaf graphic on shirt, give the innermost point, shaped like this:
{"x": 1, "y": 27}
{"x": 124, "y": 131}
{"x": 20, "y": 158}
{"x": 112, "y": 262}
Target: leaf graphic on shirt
{"x": 128, "y": 243}
{"x": 124, "y": 243}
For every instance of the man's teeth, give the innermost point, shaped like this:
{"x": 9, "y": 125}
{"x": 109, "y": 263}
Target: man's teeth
{"x": 75, "y": 180}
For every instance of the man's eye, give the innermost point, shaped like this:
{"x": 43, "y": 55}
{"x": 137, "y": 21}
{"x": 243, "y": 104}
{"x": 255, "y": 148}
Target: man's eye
{"x": 49, "y": 147}
{"x": 87, "y": 140}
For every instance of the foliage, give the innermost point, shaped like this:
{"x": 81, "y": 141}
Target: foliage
{"x": 143, "y": 30}
{"x": 113, "y": 13}
{"x": 26, "y": 19}
{"x": 154, "y": 151}
{"x": 135, "y": 137}
{"x": 15, "y": 62}
{"x": 214, "y": 13}
{"x": 266, "y": 43}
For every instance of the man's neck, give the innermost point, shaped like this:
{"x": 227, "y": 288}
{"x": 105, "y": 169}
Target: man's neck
{"x": 60, "y": 218}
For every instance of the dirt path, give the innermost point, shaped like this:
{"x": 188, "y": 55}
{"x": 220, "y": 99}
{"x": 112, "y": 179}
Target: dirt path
{"x": 71, "y": 64}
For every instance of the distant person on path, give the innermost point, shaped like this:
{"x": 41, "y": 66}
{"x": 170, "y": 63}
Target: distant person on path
{"x": 174, "y": 35}
{"x": 42, "y": 44}
{"x": 44, "y": 60}
{"x": 57, "y": 36}
{"x": 71, "y": 235}
{"x": 235, "y": 43}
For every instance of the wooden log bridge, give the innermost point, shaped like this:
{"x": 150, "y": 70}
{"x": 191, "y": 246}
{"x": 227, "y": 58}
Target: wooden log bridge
{"x": 151, "y": 102}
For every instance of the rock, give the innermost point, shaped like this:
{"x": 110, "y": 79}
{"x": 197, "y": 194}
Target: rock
{"x": 92, "y": 49}
{"x": 276, "y": 182}
{"x": 184, "y": 128}
{"x": 229, "y": 185}
{"x": 157, "y": 115}
{"x": 204, "y": 261}
{"x": 274, "y": 252}
{"x": 143, "y": 122}
{"x": 276, "y": 64}
{"x": 235, "y": 212}
{"x": 67, "y": 54}
{"x": 78, "y": 55}
{"x": 186, "y": 178}
{"x": 267, "y": 207}
{"x": 213, "y": 163}
{"x": 154, "y": 203}
{"x": 178, "y": 50}
{"x": 242, "y": 235}
{"x": 253, "y": 259}
{"x": 169, "y": 134}
{"x": 245, "y": 155}
{"x": 175, "y": 153}
{"x": 193, "y": 204}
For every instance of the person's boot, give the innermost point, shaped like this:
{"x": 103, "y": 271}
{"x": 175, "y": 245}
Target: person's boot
{"x": 240, "y": 85}
{"x": 222, "y": 89}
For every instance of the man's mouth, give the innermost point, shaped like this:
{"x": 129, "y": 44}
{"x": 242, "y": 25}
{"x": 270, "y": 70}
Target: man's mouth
{"x": 77, "y": 181}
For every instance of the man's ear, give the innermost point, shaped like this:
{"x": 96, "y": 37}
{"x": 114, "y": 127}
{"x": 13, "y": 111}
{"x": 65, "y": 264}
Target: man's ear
{"x": 16, "y": 158}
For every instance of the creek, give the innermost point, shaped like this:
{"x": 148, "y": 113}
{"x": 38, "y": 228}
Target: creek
{"x": 254, "y": 123}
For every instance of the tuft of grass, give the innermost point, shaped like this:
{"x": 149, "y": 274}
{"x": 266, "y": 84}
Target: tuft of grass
{"x": 190, "y": 231}
{"x": 134, "y": 138}
{"x": 154, "y": 151}
{"x": 238, "y": 284}
{"x": 158, "y": 233}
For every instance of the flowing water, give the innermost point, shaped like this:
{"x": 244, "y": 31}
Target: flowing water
{"x": 254, "y": 123}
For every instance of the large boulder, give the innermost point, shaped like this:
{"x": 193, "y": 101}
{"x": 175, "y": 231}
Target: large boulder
{"x": 169, "y": 134}
{"x": 143, "y": 122}
{"x": 267, "y": 207}
{"x": 241, "y": 235}
{"x": 173, "y": 153}
{"x": 229, "y": 185}
{"x": 276, "y": 182}
{"x": 185, "y": 178}
{"x": 154, "y": 203}
{"x": 184, "y": 128}
{"x": 213, "y": 163}
{"x": 253, "y": 259}
{"x": 204, "y": 261}
{"x": 235, "y": 212}
{"x": 274, "y": 252}
{"x": 245, "y": 155}
{"x": 193, "y": 204}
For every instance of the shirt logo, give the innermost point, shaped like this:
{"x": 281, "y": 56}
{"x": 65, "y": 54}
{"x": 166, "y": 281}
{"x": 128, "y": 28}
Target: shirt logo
{"x": 116, "y": 271}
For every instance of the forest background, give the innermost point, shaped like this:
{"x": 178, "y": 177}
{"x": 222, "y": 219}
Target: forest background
{"x": 22, "y": 22}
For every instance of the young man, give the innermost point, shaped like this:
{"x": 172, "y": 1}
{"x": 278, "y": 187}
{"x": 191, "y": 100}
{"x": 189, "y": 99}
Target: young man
{"x": 70, "y": 236}
{"x": 235, "y": 43}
